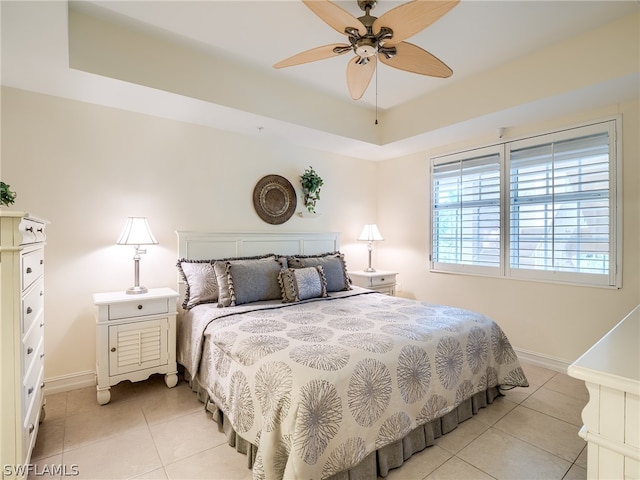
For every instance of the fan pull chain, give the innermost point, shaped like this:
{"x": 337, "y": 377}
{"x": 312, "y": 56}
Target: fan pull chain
{"x": 376, "y": 122}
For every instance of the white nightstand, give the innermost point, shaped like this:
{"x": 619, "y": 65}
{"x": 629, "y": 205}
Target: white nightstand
{"x": 135, "y": 337}
{"x": 381, "y": 281}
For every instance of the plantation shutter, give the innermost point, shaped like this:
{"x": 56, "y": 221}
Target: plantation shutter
{"x": 466, "y": 213}
{"x": 560, "y": 209}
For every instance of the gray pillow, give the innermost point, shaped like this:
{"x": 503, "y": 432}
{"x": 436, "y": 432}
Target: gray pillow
{"x": 302, "y": 283}
{"x": 249, "y": 280}
{"x": 200, "y": 280}
{"x": 333, "y": 265}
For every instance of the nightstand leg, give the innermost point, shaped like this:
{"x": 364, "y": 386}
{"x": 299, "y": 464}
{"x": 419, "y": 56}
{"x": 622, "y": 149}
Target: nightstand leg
{"x": 171, "y": 379}
{"x": 104, "y": 396}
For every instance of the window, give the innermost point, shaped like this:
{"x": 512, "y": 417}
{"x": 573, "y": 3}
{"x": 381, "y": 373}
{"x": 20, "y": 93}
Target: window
{"x": 466, "y": 212}
{"x": 542, "y": 208}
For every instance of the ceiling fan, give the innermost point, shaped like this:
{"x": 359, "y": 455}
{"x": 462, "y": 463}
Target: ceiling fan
{"x": 372, "y": 38}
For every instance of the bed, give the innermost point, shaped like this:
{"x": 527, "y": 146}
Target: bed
{"x": 314, "y": 378}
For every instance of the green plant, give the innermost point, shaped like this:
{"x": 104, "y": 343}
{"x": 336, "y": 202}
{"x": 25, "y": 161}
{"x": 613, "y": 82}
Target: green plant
{"x": 311, "y": 183}
{"x": 7, "y": 197}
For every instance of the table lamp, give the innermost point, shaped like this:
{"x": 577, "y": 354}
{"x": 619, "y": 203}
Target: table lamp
{"x": 137, "y": 232}
{"x": 370, "y": 234}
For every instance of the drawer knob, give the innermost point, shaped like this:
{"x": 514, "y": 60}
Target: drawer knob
{"x": 139, "y": 307}
{"x": 41, "y": 355}
{"x": 29, "y": 351}
{"x": 113, "y": 349}
{"x": 41, "y": 260}
{"x": 29, "y": 270}
{"x": 29, "y": 229}
{"x": 30, "y": 391}
{"x": 32, "y": 427}
{"x": 29, "y": 310}
{"x": 42, "y": 385}
{"x": 382, "y": 279}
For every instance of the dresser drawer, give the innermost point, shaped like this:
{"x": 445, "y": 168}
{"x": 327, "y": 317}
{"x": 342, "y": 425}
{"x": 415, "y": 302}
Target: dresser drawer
{"x": 140, "y": 308}
{"x": 30, "y": 347}
{"x": 32, "y": 267}
{"x": 32, "y": 306}
{"x": 32, "y": 231}
{"x": 32, "y": 383}
{"x": 33, "y": 405}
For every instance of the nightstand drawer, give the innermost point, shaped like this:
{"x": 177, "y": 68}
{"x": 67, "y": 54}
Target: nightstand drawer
{"x": 142, "y": 307}
{"x": 386, "y": 279}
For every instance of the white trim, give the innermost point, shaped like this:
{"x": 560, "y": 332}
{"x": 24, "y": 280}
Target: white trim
{"x": 545, "y": 361}
{"x": 71, "y": 381}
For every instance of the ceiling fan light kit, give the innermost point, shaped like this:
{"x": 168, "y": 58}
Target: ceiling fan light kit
{"x": 382, "y": 38}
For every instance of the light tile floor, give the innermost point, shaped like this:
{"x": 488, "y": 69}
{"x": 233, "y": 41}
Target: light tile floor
{"x": 149, "y": 431}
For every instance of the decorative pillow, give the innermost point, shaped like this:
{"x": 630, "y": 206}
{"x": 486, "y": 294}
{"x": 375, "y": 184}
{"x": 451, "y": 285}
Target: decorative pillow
{"x": 200, "y": 280}
{"x": 247, "y": 280}
{"x": 333, "y": 265}
{"x": 302, "y": 283}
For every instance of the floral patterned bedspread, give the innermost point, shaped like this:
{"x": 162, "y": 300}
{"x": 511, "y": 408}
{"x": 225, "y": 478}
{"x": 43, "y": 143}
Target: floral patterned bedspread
{"x": 318, "y": 385}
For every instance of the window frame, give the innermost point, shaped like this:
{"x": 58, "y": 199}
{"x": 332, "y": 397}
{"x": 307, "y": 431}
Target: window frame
{"x": 613, "y": 279}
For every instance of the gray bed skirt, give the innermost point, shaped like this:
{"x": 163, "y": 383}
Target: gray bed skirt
{"x": 377, "y": 463}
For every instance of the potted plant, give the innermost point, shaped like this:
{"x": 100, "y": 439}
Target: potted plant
{"x": 311, "y": 183}
{"x": 7, "y": 197}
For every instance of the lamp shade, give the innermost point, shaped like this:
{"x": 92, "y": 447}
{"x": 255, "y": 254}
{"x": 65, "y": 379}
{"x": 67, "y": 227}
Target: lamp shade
{"x": 137, "y": 232}
{"x": 370, "y": 233}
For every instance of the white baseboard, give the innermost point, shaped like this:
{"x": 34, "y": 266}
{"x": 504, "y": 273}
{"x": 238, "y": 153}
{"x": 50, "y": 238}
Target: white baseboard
{"x": 544, "y": 361}
{"x": 72, "y": 381}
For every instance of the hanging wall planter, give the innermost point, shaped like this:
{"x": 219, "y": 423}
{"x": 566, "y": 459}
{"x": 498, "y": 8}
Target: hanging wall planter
{"x": 7, "y": 197}
{"x": 311, "y": 183}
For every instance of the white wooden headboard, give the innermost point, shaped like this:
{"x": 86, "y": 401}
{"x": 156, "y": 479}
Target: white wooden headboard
{"x": 213, "y": 245}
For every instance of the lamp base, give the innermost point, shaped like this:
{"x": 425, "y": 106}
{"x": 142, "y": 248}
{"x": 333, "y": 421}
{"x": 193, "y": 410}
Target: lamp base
{"x": 370, "y": 269}
{"x": 136, "y": 290}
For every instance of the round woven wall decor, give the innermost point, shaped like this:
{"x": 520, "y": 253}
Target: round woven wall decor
{"x": 274, "y": 199}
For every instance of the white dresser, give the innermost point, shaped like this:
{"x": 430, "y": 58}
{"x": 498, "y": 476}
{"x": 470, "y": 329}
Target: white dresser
{"x": 136, "y": 337}
{"x": 22, "y": 241}
{"x": 611, "y": 371}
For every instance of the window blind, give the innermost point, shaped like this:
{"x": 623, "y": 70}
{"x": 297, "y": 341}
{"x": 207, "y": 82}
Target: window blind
{"x": 466, "y": 212}
{"x": 559, "y": 206}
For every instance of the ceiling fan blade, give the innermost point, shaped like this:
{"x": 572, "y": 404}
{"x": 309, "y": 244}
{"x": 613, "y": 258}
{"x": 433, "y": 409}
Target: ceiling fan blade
{"x": 410, "y": 18}
{"x": 318, "y": 53}
{"x": 414, "y": 59}
{"x": 334, "y": 16}
{"x": 359, "y": 76}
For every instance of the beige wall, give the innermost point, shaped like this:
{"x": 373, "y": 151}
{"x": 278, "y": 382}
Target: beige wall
{"x": 554, "y": 322}
{"x": 86, "y": 168}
